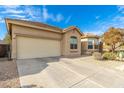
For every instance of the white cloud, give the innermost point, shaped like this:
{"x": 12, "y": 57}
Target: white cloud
{"x": 59, "y": 17}
{"x": 1, "y": 20}
{"x": 118, "y": 18}
{"x": 9, "y": 6}
{"x": 18, "y": 16}
{"x": 45, "y": 14}
{"x": 12, "y": 11}
{"x": 115, "y": 20}
{"x": 21, "y": 12}
{"x": 68, "y": 19}
{"x": 97, "y": 17}
{"x": 30, "y": 13}
{"x": 50, "y": 16}
{"x": 120, "y": 7}
{"x": 12, "y": 6}
{"x": 102, "y": 25}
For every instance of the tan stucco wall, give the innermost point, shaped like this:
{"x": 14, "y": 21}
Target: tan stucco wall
{"x": 27, "y": 31}
{"x": 85, "y": 45}
{"x": 38, "y": 33}
{"x": 30, "y": 32}
{"x": 66, "y": 51}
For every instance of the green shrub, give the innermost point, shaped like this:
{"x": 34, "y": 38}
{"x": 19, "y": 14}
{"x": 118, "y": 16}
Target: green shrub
{"x": 97, "y": 55}
{"x": 109, "y": 56}
{"x": 123, "y": 54}
{"x": 120, "y": 54}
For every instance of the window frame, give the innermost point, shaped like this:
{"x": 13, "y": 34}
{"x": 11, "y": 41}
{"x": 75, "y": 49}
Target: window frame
{"x": 91, "y": 45}
{"x": 73, "y": 42}
{"x": 96, "y": 44}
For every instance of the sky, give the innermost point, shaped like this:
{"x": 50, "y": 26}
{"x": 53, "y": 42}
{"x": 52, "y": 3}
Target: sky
{"x": 95, "y": 19}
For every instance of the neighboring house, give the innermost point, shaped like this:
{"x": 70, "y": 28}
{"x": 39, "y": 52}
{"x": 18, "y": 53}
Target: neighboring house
{"x": 36, "y": 40}
{"x": 89, "y": 43}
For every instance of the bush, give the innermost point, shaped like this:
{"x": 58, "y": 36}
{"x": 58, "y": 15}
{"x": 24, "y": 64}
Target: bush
{"x": 109, "y": 56}
{"x": 97, "y": 55}
{"x": 120, "y": 54}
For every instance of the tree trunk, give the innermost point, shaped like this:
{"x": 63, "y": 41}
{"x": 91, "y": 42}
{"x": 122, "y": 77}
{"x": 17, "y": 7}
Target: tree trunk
{"x": 113, "y": 48}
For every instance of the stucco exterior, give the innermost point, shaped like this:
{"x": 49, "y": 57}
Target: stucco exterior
{"x": 66, "y": 43}
{"x": 18, "y": 28}
{"x": 32, "y": 33}
{"x": 84, "y": 44}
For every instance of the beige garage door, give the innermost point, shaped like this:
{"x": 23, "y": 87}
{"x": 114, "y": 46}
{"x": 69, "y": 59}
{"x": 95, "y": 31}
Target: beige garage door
{"x": 37, "y": 47}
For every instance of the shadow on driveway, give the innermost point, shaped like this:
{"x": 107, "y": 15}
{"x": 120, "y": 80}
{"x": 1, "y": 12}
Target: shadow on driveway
{"x": 37, "y": 65}
{"x": 34, "y": 66}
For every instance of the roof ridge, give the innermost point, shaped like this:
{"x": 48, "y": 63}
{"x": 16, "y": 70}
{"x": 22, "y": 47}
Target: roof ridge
{"x": 49, "y": 25}
{"x": 69, "y": 27}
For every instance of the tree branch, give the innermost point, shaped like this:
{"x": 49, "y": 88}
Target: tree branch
{"x": 120, "y": 45}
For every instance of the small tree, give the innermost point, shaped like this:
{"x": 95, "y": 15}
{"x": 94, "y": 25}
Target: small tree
{"x": 113, "y": 38}
{"x": 7, "y": 39}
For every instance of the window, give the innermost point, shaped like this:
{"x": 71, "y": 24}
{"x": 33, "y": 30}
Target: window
{"x": 90, "y": 45}
{"x": 73, "y": 42}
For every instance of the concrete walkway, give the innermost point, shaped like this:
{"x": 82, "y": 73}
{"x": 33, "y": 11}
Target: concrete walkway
{"x": 67, "y": 73}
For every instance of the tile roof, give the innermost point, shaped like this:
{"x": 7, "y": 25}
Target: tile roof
{"x": 39, "y": 24}
{"x": 90, "y": 35}
{"x": 72, "y": 27}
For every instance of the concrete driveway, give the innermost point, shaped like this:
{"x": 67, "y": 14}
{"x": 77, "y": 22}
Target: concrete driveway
{"x": 79, "y": 72}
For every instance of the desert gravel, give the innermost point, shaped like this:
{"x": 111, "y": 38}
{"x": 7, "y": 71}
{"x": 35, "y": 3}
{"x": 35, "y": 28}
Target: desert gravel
{"x": 8, "y": 74}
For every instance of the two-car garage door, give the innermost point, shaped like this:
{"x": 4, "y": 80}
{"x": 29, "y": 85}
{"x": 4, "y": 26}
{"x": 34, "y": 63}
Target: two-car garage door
{"x": 37, "y": 47}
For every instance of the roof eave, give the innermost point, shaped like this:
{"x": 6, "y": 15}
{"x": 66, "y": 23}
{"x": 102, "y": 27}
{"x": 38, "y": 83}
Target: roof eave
{"x": 69, "y": 28}
{"x": 89, "y": 37}
{"x": 9, "y": 21}
{"x": 7, "y": 25}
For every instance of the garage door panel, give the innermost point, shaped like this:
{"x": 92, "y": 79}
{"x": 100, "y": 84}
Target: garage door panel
{"x": 37, "y": 48}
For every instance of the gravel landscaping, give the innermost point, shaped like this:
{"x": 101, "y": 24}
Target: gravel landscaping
{"x": 9, "y": 75}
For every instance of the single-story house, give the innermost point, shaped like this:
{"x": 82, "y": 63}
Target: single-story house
{"x": 89, "y": 43}
{"x": 36, "y": 40}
